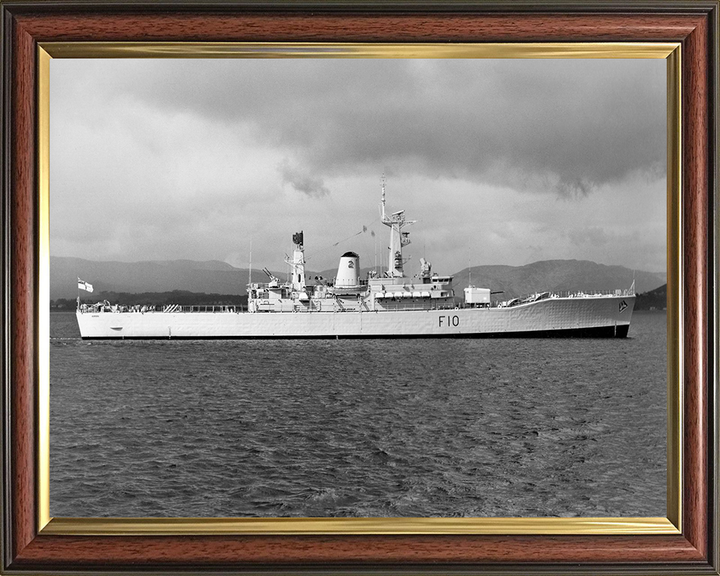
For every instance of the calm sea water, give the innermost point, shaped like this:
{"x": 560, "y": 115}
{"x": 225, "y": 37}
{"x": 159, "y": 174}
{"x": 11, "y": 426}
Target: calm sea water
{"x": 359, "y": 428}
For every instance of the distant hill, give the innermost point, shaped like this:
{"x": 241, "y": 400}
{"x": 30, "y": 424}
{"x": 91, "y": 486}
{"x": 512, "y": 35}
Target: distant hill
{"x": 215, "y": 277}
{"x": 652, "y": 300}
{"x": 557, "y": 275}
{"x": 150, "y": 276}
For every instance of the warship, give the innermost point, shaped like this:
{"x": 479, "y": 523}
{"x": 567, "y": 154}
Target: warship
{"x": 390, "y": 304}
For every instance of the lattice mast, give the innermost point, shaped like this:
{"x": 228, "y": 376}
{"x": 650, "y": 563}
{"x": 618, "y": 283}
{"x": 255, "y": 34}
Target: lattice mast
{"x": 398, "y": 239}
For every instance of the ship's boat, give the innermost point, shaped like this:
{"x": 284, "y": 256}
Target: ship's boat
{"x": 384, "y": 305}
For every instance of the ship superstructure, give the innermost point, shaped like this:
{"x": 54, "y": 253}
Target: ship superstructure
{"x": 388, "y": 304}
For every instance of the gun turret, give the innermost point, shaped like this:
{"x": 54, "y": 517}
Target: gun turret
{"x": 270, "y": 275}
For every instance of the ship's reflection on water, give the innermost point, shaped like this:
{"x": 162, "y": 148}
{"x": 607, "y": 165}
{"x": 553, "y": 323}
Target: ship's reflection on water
{"x": 359, "y": 428}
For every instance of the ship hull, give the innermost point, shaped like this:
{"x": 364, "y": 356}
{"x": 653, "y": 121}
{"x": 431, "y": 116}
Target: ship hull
{"x": 589, "y": 316}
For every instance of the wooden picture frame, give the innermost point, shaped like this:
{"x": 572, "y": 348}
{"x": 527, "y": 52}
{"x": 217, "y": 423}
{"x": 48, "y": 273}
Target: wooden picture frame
{"x": 30, "y": 544}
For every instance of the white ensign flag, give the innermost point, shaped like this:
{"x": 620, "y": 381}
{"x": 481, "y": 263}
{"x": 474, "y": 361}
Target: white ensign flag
{"x": 82, "y": 285}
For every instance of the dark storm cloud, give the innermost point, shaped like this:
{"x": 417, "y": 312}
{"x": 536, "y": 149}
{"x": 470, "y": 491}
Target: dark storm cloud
{"x": 302, "y": 181}
{"x": 564, "y": 125}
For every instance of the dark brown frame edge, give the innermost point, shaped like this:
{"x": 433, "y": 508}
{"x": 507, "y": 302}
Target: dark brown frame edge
{"x": 25, "y": 23}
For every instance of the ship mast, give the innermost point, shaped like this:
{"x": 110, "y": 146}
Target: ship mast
{"x": 396, "y": 222}
{"x": 297, "y": 263}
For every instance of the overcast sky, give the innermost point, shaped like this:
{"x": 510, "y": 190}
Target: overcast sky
{"x": 499, "y": 161}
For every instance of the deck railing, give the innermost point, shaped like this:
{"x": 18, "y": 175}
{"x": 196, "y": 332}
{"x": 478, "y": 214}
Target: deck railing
{"x": 167, "y": 308}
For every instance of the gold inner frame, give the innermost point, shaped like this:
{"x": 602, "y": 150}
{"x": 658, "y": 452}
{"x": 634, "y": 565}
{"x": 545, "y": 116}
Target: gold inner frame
{"x": 671, "y": 524}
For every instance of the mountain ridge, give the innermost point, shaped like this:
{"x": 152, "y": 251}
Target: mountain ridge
{"x": 214, "y": 276}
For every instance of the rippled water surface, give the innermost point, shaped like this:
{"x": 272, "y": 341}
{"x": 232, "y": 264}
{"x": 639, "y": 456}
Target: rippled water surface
{"x": 359, "y": 428}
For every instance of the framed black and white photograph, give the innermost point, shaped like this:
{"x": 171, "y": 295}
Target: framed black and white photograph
{"x": 503, "y": 356}
{"x": 311, "y": 292}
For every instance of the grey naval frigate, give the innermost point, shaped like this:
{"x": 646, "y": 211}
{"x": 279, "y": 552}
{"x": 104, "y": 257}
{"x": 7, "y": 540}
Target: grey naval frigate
{"x": 381, "y": 305}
